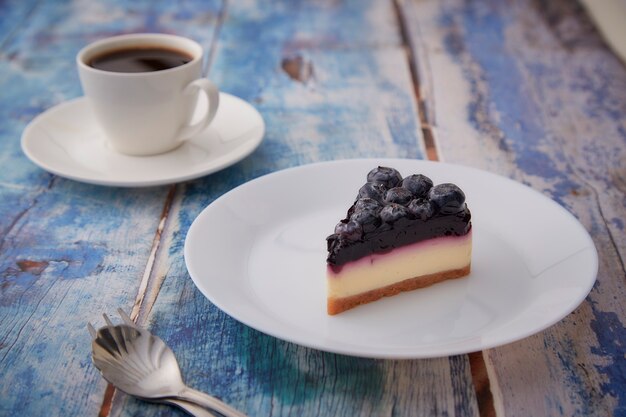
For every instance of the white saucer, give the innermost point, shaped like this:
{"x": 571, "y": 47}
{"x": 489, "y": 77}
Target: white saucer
{"x": 65, "y": 140}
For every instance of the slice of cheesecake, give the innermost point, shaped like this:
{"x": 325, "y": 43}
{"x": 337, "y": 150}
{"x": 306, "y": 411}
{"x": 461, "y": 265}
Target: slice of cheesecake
{"x": 399, "y": 235}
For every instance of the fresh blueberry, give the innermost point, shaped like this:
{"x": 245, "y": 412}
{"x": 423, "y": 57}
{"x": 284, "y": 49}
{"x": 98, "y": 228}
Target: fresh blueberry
{"x": 421, "y": 208}
{"x": 374, "y": 190}
{"x": 385, "y": 175}
{"x": 418, "y": 184}
{"x": 350, "y": 230}
{"x": 367, "y": 204}
{"x": 398, "y": 195}
{"x": 368, "y": 220}
{"x": 447, "y": 198}
{"x": 393, "y": 212}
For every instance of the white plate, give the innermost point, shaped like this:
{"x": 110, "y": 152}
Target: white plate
{"x": 258, "y": 253}
{"x": 65, "y": 140}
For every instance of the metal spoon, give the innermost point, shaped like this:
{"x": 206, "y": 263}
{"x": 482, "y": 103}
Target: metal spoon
{"x": 191, "y": 408}
{"x": 141, "y": 364}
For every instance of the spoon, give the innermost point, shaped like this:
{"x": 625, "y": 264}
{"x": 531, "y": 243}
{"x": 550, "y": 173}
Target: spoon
{"x": 191, "y": 408}
{"x": 142, "y": 365}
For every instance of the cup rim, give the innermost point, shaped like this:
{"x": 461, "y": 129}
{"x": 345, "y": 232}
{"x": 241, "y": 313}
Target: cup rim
{"x": 131, "y": 39}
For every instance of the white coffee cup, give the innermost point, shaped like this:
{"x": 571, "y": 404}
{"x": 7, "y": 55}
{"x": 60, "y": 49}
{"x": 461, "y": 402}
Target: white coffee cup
{"x": 147, "y": 113}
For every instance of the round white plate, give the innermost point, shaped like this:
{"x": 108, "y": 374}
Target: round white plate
{"x": 259, "y": 254}
{"x": 65, "y": 140}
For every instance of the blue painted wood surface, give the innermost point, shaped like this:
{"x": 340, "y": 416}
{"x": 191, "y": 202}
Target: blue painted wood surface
{"x": 539, "y": 97}
{"x": 522, "y": 90}
{"x": 68, "y": 251}
{"x": 358, "y": 102}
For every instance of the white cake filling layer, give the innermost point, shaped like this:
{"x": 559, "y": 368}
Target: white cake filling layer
{"x": 381, "y": 270}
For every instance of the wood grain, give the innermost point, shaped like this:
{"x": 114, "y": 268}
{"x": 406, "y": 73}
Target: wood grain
{"x": 68, "y": 251}
{"x": 530, "y": 91}
{"x": 526, "y": 89}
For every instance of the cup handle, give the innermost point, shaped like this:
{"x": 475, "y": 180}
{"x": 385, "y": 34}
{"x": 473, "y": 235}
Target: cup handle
{"x": 213, "y": 96}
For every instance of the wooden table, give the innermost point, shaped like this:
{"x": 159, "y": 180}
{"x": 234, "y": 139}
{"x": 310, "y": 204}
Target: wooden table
{"x": 523, "y": 89}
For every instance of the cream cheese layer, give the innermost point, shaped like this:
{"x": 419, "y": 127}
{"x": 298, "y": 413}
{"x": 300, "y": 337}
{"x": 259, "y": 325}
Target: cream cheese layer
{"x": 380, "y": 270}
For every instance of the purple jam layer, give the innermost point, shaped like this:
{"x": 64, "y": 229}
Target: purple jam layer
{"x": 441, "y": 243}
{"x": 387, "y": 237}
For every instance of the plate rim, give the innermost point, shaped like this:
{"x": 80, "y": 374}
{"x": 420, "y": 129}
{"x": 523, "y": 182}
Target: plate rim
{"x": 26, "y": 142}
{"x": 398, "y": 353}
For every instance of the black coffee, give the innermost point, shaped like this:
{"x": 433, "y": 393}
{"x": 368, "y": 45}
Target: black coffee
{"x": 144, "y": 59}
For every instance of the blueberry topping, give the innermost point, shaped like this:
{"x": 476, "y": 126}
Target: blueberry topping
{"x": 398, "y": 195}
{"x": 367, "y": 204}
{"x": 368, "y": 220}
{"x": 417, "y": 184}
{"x": 393, "y": 212}
{"x": 375, "y": 190}
{"x": 385, "y": 175}
{"x": 421, "y": 208}
{"x": 447, "y": 198}
{"x": 350, "y": 230}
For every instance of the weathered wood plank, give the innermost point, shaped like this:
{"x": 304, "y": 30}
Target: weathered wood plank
{"x": 65, "y": 260}
{"x": 68, "y": 251}
{"x": 13, "y": 14}
{"x": 530, "y": 91}
{"x": 349, "y": 93}
{"x": 332, "y": 81}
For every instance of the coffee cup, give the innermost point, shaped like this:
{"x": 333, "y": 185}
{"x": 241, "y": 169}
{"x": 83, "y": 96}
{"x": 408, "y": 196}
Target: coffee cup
{"x": 143, "y": 90}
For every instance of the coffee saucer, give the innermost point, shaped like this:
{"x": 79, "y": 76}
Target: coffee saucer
{"x": 65, "y": 140}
